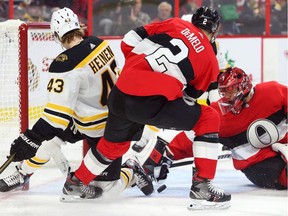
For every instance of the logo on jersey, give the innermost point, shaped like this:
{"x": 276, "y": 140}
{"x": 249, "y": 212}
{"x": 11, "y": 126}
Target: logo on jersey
{"x": 262, "y": 133}
{"x": 62, "y": 58}
{"x": 92, "y": 46}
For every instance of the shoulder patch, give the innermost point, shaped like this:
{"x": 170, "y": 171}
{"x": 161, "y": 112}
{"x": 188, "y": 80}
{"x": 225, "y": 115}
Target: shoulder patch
{"x": 69, "y": 59}
{"x": 61, "y": 58}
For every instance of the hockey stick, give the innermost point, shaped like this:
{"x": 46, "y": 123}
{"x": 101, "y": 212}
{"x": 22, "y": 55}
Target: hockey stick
{"x": 189, "y": 161}
{"x": 62, "y": 162}
{"x": 7, "y": 162}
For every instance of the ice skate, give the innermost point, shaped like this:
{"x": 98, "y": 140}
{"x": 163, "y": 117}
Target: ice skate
{"x": 143, "y": 181}
{"x": 16, "y": 181}
{"x": 75, "y": 190}
{"x": 205, "y": 196}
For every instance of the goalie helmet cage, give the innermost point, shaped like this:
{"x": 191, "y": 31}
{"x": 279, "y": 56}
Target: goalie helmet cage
{"x": 26, "y": 51}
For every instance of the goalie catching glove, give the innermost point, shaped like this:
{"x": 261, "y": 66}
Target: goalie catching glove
{"x": 25, "y": 146}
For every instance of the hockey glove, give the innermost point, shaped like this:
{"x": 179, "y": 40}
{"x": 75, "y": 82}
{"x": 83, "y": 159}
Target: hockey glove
{"x": 159, "y": 161}
{"x": 25, "y": 146}
{"x": 161, "y": 172}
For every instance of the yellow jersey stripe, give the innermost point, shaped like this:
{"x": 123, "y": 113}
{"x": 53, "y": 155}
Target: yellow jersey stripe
{"x": 56, "y": 120}
{"x": 60, "y": 108}
{"x": 91, "y": 127}
{"x": 93, "y": 118}
{"x": 92, "y": 54}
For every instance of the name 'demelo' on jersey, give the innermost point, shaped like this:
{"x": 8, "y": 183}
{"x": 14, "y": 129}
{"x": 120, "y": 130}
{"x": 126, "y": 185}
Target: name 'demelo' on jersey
{"x": 101, "y": 59}
{"x": 195, "y": 42}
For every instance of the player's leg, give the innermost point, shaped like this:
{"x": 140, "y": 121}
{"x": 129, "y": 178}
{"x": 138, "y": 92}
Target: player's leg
{"x": 129, "y": 177}
{"x": 206, "y": 149}
{"x": 140, "y": 177}
{"x": 52, "y": 148}
{"x": 19, "y": 180}
{"x": 204, "y": 121}
{"x": 100, "y": 156}
{"x": 270, "y": 173}
{"x": 110, "y": 183}
{"x": 75, "y": 189}
{"x": 120, "y": 130}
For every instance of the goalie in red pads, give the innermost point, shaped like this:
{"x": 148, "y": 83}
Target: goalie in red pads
{"x": 253, "y": 126}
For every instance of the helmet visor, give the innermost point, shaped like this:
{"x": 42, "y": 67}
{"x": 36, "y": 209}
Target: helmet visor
{"x": 224, "y": 106}
{"x": 231, "y": 99}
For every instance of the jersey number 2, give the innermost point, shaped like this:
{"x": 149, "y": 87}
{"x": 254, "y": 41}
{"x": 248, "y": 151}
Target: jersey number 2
{"x": 162, "y": 59}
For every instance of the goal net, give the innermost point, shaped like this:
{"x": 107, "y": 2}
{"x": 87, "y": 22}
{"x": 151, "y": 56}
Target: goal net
{"x": 26, "y": 51}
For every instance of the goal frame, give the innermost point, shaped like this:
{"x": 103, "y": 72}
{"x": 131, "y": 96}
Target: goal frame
{"x": 23, "y": 61}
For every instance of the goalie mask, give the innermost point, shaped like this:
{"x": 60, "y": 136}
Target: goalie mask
{"x": 64, "y": 21}
{"x": 234, "y": 86}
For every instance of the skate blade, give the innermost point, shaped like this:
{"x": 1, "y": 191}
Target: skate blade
{"x": 69, "y": 198}
{"x": 19, "y": 188}
{"x": 204, "y": 205}
{"x": 74, "y": 198}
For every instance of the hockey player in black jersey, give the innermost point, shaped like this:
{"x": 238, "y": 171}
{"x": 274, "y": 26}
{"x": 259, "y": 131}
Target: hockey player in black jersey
{"x": 80, "y": 80}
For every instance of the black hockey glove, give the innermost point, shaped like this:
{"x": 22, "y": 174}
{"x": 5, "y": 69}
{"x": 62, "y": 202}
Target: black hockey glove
{"x": 159, "y": 161}
{"x": 25, "y": 146}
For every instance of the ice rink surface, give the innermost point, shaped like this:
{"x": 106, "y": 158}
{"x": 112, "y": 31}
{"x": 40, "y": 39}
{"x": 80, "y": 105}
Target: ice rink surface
{"x": 46, "y": 184}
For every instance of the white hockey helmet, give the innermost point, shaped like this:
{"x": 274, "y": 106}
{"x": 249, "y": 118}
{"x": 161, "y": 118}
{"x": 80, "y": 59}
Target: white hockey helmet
{"x": 64, "y": 21}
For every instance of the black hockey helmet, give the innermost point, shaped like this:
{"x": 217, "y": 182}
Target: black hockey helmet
{"x": 206, "y": 18}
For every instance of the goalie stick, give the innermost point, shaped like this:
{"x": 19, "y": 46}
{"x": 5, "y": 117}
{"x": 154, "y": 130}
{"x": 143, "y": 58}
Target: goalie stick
{"x": 7, "y": 162}
{"x": 188, "y": 161}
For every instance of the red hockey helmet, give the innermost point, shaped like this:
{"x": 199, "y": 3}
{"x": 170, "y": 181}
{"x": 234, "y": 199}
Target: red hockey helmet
{"x": 234, "y": 86}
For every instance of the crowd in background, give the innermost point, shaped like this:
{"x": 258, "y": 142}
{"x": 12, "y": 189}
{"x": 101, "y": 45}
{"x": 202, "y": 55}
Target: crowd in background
{"x": 116, "y": 17}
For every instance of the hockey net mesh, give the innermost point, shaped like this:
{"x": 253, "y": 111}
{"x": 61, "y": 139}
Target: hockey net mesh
{"x": 42, "y": 49}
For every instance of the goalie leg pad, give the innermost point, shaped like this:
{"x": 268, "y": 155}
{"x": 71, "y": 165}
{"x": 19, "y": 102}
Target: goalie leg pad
{"x": 266, "y": 174}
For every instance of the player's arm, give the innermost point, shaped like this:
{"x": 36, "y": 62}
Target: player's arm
{"x": 135, "y": 36}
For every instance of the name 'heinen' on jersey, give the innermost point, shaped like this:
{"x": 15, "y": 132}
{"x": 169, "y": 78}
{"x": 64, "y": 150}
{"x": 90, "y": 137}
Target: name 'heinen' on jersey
{"x": 102, "y": 59}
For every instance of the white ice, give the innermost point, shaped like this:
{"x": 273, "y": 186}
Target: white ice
{"x": 46, "y": 184}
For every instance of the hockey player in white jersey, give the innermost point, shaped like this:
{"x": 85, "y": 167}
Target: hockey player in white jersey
{"x": 80, "y": 80}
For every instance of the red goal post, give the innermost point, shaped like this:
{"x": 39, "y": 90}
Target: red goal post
{"x": 26, "y": 51}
